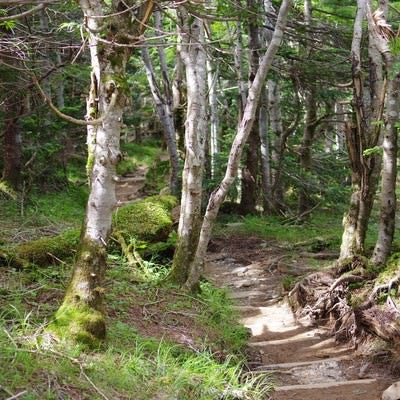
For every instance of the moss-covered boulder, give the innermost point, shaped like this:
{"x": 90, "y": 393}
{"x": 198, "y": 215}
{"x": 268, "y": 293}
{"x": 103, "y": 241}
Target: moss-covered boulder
{"x": 148, "y": 220}
{"x": 43, "y": 251}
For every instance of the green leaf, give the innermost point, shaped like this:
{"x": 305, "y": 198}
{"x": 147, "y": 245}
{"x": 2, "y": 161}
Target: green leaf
{"x": 8, "y": 25}
{"x": 372, "y": 151}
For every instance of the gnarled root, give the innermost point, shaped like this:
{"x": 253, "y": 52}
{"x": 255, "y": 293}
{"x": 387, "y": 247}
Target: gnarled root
{"x": 327, "y": 296}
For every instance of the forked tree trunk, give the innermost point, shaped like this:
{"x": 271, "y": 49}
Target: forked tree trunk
{"x": 194, "y": 57}
{"x": 81, "y": 315}
{"x": 244, "y": 129}
{"x": 368, "y": 105}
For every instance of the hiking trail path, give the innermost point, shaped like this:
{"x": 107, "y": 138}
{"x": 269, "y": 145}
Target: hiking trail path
{"x": 304, "y": 359}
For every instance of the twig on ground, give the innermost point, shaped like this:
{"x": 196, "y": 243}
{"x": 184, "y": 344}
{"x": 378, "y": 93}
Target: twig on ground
{"x": 17, "y": 395}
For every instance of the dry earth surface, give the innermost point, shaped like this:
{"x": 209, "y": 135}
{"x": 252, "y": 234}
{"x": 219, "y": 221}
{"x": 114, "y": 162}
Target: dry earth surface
{"x": 305, "y": 361}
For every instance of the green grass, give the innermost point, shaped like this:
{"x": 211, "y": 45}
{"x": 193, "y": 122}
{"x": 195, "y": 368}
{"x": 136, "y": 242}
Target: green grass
{"x": 324, "y": 225}
{"x": 129, "y": 364}
{"x": 135, "y": 154}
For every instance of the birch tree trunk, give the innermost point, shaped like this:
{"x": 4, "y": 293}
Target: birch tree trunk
{"x": 389, "y": 173}
{"x": 279, "y": 145}
{"x": 179, "y": 102}
{"x": 250, "y": 171}
{"x": 163, "y": 102}
{"x": 194, "y": 57}
{"x": 389, "y": 170}
{"x": 212, "y": 80}
{"x": 244, "y": 129}
{"x": 265, "y": 152}
{"x": 81, "y": 315}
{"x": 368, "y": 105}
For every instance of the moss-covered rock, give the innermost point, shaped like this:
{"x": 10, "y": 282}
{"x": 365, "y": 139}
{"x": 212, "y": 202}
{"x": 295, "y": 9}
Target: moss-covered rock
{"x": 148, "y": 220}
{"x": 43, "y": 251}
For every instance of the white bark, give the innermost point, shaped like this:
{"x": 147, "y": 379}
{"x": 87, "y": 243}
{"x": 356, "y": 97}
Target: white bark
{"x": 194, "y": 57}
{"x": 265, "y": 150}
{"x": 242, "y": 134}
{"x": 163, "y": 103}
{"x": 212, "y": 79}
{"x": 106, "y": 101}
{"x": 279, "y": 142}
{"x": 387, "y": 220}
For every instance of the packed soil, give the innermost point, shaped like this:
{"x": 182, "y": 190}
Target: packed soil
{"x": 302, "y": 356}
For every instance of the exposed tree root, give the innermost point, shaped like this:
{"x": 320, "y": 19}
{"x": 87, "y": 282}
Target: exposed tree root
{"x": 353, "y": 314}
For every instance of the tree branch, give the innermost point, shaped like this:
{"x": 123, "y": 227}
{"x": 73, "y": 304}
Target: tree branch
{"x": 23, "y": 14}
{"x": 68, "y": 118}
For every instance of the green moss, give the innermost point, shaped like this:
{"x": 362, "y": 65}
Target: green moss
{"x": 89, "y": 164}
{"x": 149, "y": 219}
{"x": 42, "y": 251}
{"x": 79, "y": 323}
{"x": 389, "y": 270}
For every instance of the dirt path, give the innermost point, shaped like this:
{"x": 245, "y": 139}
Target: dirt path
{"x": 129, "y": 187}
{"x": 305, "y": 361}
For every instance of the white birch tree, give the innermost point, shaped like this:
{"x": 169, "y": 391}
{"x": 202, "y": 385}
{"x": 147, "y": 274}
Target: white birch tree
{"x": 81, "y": 315}
{"x": 244, "y": 129}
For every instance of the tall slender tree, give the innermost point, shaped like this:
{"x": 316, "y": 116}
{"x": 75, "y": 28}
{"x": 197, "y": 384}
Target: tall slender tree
{"x": 81, "y": 315}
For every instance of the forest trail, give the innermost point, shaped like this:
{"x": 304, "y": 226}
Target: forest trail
{"x": 305, "y": 361}
{"x": 129, "y": 187}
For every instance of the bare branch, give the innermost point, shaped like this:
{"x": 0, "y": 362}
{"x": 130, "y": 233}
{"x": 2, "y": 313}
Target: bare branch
{"x": 23, "y": 14}
{"x": 68, "y": 118}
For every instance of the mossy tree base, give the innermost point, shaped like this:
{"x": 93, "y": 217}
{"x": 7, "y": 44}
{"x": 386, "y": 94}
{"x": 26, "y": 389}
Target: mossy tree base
{"x": 81, "y": 316}
{"x": 78, "y": 323}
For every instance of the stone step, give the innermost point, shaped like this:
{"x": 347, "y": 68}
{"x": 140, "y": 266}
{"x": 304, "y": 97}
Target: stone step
{"x": 290, "y": 365}
{"x": 308, "y": 336}
{"x": 324, "y": 385}
{"x": 131, "y": 179}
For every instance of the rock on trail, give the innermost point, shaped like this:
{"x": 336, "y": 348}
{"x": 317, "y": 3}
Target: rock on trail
{"x": 305, "y": 361}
